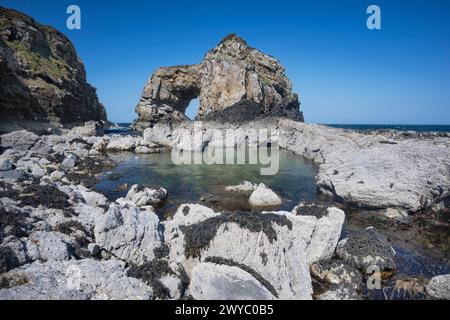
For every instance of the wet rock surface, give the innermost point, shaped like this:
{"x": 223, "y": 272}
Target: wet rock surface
{"x": 343, "y": 281}
{"x": 367, "y": 249}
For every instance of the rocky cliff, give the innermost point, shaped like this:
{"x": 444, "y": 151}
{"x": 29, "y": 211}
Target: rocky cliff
{"x": 233, "y": 82}
{"x": 43, "y": 82}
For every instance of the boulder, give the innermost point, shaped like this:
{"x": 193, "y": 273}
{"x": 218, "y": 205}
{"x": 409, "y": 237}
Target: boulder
{"x": 5, "y": 165}
{"x": 19, "y": 140}
{"x": 142, "y": 196}
{"x": 439, "y": 287}
{"x": 70, "y": 162}
{"x": 365, "y": 249}
{"x": 279, "y": 246}
{"x": 92, "y": 198}
{"x": 343, "y": 281}
{"x": 264, "y": 197}
{"x": 220, "y": 282}
{"x": 128, "y": 232}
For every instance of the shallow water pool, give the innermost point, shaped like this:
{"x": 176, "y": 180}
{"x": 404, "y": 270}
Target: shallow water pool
{"x": 204, "y": 183}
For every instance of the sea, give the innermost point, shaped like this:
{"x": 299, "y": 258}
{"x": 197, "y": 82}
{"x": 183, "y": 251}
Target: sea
{"x": 122, "y": 128}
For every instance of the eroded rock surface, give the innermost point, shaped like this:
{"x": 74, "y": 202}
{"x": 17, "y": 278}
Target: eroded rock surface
{"x": 43, "y": 81}
{"x": 220, "y": 282}
{"x": 278, "y": 246}
{"x": 73, "y": 280}
{"x": 234, "y": 82}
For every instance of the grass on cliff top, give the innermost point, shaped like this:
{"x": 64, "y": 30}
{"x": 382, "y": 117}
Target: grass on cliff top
{"x": 56, "y": 69}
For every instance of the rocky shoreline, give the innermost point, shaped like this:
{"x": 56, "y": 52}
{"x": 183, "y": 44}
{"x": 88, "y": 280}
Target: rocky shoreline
{"x": 60, "y": 237}
{"x": 374, "y": 170}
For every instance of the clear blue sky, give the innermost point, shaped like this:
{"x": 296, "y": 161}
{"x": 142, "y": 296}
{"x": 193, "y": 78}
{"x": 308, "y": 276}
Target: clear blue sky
{"x": 343, "y": 72}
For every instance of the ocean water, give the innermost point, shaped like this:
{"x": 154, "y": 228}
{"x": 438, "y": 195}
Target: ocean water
{"x": 399, "y": 127}
{"x": 122, "y": 128}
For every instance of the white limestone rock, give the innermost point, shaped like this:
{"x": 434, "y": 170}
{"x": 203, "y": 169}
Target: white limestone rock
{"x": 439, "y": 287}
{"x": 5, "y": 165}
{"x": 74, "y": 280}
{"x": 143, "y": 196}
{"x": 245, "y": 186}
{"x": 264, "y": 197}
{"x": 47, "y": 246}
{"x": 128, "y": 232}
{"x": 220, "y": 282}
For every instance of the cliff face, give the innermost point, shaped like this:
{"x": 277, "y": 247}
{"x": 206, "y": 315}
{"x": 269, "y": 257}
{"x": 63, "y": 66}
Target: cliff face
{"x": 43, "y": 82}
{"x": 233, "y": 82}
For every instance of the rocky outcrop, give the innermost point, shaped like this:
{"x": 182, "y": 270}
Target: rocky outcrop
{"x": 275, "y": 247}
{"x": 234, "y": 82}
{"x": 43, "y": 82}
{"x": 128, "y": 232}
{"x": 73, "y": 280}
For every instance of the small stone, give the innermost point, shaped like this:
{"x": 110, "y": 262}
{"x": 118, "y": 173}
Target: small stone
{"x": 94, "y": 250}
{"x": 264, "y": 197}
{"x": 366, "y": 249}
{"x": 439, "y": 287}
{"x": 142, "y": 196}
{"x": 56, "y": 176}
{"x": 395, "y": 214}
{"x": 245, "y": 186}
{"x": 70, "y": 162}
{"x": 38, "y": 172}
{"x": 5, "y": 165}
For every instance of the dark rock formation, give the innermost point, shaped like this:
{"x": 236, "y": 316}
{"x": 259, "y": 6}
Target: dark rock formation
{"x": 232, "y": 77}
{"x": 42, "y": 80}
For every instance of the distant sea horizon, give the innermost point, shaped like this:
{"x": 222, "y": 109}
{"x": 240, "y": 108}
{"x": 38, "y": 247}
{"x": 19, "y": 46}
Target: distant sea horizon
{"x": 359, "y": 127}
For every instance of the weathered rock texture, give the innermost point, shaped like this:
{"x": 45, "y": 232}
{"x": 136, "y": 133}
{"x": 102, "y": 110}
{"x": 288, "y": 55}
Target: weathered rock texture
{"x": 42, "y": 80}
{"x": 234, "y": 83}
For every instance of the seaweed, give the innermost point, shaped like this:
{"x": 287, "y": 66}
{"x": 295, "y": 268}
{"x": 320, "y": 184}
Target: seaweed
{"x": 252, "y": 272}
{"x": 8, "y": 260}
{"x": 151, "y": 274}
{"x": 79, "y": 248}
{"x": 14, "y": 222}
{"x": 198, "y": 236}
{"x": 7, "y": 192}
{"x": 48, "y": 196}
{"x": 7, "y": 282}
{"x": 161, "y": 252}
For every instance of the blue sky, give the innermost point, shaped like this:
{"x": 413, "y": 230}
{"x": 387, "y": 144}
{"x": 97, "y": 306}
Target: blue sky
{"x": 343, "y": 72}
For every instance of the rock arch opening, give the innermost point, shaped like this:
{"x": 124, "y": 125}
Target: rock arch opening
{"x": 192, "y": 109}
